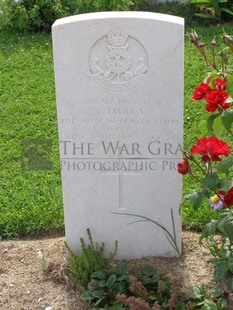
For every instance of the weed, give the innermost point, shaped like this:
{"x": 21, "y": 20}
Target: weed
{"x": 90, "y": 259}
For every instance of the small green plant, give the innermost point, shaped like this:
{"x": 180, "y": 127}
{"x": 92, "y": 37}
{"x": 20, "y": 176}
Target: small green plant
{"x": 152, "y": 291}
{"x": 221, "y": 247}
{"x": 214, "y": 9}
{"x": 144, "y": 289}
{"x": 90, "y": 259}
{"x": 104, "y": 286}
{"x": 161, "y": 290}
{"x": 200, "y": 298}
{"x": 41, "y": 259}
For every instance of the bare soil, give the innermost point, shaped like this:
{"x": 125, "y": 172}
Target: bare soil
{"x": 24, "y": 285}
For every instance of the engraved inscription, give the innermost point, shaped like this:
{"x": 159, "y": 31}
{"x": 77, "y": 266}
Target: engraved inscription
{"x": 118, "y": 61}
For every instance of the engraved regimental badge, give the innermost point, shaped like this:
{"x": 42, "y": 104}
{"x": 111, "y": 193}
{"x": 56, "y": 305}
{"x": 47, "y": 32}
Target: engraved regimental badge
{"x": 118, "y": 62}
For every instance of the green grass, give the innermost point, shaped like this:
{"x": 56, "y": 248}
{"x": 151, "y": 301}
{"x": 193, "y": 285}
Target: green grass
{"x": 31, "y": 201}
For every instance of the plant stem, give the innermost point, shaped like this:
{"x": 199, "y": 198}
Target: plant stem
{"x": 196, "y": 178}
{"x": 203, "y": 171}
{"x": 172, "y": 240}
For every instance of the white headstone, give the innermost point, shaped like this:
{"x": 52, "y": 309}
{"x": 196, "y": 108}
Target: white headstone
{"x": 119, "y": 89}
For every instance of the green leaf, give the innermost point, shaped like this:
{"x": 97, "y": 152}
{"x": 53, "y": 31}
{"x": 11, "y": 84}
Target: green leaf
{"x": 230, "y": 264}
{"x": 230, "y": 85}
{"x": 227, "y": 119}
{"x": 211, "y": 181}
{"x": 225, "y": 164}
{"x": 213, "y": 75}
{"x": 218, "y": 127}
{"x": 209, "y": 305}
{"x": 118, "y": 288}
{"x": 208, "y": 230}
{"x": 225, "y": 184}
{"x": 117, "y": 307}
{"x": 222, "y": 304}
{"x": 102, "y": 283}
{"x": 222, "y": 223}
{"x": 98, "y": 275}
{"x": 205, "y": 15}
{"x": 149, "y": 270}
{"x": 122, "y": 277}
{"x": 203, "y": 126}
{"x": 229, "y": 230}
{"x": 210, "y": 122}
{"x": 220, "y": 271}
{"x": 195, "y": 198}
{"x": 111, "y": 280}
{"x": 212, "y": 81}
{"x": 86, "y": 296}
{"x": 155, "y": 278}
{"x": 93, "y": 285}
{"x": 227, "y": 11}
{"x": 97, "y": 293}
{"x": 230, "y": 285}
{"x": 99, "y": 301}
{"x": 122, "y": 268}
{"x": 216, "y": 293}
{"x": 199, "y": 291}
{"x": 180, "y": 306}
{"x": 201, "y": 2}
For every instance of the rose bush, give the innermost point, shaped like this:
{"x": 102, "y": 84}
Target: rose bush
{"x": 209, "y": 161}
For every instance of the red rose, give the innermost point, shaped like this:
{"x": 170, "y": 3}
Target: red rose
{"x": 220, "y": 84}
{"x": 200, "y": 91}
{"x": 228, "y": 198}
{"x": 183, "y": 167}
{"x": 216, "y": 99}
{"x": 210, "y": 148}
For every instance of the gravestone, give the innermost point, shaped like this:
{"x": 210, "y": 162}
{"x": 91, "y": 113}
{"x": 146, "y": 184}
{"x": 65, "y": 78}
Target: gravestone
{"x": 119, "y": 90}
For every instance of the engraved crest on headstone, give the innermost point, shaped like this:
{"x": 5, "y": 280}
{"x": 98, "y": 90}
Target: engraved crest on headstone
{"x": 118, "y": 61}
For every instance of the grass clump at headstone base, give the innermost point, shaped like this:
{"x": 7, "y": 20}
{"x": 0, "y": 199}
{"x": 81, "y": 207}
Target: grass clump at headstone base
{"x": 31, "y": 201}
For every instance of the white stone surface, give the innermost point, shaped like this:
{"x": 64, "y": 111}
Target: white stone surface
{"x": 119, "y": 89}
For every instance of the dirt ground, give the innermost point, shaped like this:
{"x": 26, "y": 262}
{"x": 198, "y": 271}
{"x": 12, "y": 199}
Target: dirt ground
{"x": 24, "y": 286}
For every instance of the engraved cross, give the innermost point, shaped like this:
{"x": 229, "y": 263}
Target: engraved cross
{"x": 121, "y": 188}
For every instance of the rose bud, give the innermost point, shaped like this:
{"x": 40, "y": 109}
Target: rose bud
{"x": 213, "y": 43}
{"x": 201, "y": 45}
{"x": 193, "y": 37}
{"x": 184, "y": 167}
{"x": 228, "y": 40}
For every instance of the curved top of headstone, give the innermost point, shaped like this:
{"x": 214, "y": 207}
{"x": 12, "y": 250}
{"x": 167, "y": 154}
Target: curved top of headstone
{"x": 135, "y": 14}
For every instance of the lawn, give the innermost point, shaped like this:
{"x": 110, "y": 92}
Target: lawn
{"x": 31, "y": 201}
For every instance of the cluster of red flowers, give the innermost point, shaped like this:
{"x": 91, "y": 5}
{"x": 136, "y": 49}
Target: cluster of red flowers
{"x": 216, "y": 98}
{"x": 210, "y": 148}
